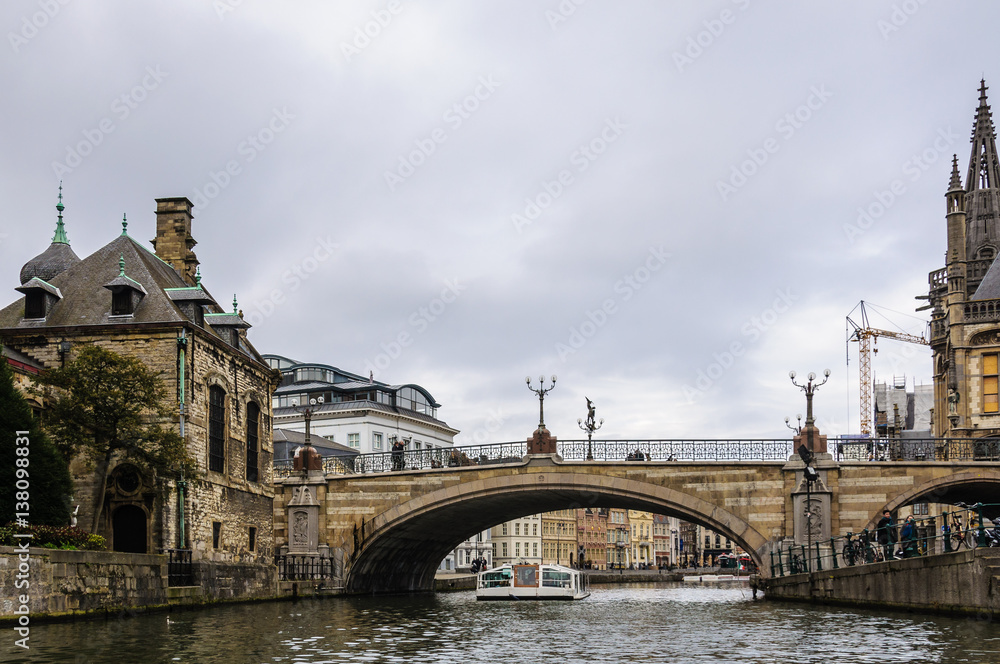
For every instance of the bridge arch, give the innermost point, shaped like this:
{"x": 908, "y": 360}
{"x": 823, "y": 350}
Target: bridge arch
{"x": 403, "y": 546}
{"x": 969, "y": 486}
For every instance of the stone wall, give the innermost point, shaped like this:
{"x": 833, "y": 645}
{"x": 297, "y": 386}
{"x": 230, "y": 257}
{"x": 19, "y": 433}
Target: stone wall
{"x": 77, "y": 582}
{"x": 965, "y": 582}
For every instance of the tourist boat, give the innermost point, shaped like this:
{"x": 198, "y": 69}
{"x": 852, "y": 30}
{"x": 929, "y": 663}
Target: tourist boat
{"x": 532, "y": 582}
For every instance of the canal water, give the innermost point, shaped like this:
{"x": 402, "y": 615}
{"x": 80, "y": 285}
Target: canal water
{"x": 662, "y": 624}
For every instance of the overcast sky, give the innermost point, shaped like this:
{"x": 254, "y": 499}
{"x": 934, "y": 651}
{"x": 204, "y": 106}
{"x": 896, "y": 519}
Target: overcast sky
{"x": 656, "y": 201}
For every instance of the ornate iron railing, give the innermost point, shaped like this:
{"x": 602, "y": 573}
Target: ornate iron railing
{"x": 930, "y": 449}
{"x": 641, "y": 450}
{"x": 292, "y": 567}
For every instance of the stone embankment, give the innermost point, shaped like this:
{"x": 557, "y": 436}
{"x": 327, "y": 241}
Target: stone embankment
{"x": 964, "y": 582}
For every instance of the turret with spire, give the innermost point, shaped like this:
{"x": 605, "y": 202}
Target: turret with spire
{"x": 54, "y": 260}
{"x": 982, "y": 191}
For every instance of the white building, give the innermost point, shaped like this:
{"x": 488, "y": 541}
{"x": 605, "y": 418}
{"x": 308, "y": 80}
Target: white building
{"x": 361, "y": 413}
{"x": 518, "y": 541}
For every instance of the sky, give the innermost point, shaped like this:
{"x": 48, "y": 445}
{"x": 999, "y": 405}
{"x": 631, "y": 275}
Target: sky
{"x": 667, "y": 205}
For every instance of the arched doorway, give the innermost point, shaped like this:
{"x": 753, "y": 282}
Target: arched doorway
{"x": 129, "y": 529}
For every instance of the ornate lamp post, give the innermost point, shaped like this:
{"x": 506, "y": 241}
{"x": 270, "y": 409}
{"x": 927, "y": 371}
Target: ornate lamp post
{"x": 541, "y": 392}
{"x": 307, "y": 411}
{"x": 807, "y": 451}
{"x": 590, "y": 426}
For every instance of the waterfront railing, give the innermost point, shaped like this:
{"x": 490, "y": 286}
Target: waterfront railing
{"x": 964, "y": 526}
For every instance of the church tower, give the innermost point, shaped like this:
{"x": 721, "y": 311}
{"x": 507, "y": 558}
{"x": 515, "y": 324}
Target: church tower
{"x": 964, "y": 296}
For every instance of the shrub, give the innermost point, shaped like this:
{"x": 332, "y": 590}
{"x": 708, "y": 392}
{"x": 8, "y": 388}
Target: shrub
{"x": 53, "y": 537}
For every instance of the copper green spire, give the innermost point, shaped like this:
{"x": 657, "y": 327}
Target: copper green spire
{"x": 124, "y": 224}
{"x": 197, "y": 277}
{"x": 235, "y": 306}
{"x": 121, "y": 265}
{"x": 60, "y": 236}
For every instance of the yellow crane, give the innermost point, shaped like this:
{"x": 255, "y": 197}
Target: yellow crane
{"x": 867, "y": 336}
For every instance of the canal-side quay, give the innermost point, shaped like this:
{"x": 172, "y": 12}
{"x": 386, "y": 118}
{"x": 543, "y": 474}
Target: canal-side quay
{"x": 963, "y": 582}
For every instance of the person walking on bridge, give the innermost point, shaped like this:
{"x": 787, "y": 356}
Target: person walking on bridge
{"x": 885, "y": 532}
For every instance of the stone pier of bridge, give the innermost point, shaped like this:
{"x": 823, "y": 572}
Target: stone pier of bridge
{"x": 388, "y": 531}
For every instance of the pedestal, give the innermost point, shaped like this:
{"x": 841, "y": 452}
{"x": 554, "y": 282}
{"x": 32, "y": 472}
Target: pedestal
{"x": 542, "y": 442}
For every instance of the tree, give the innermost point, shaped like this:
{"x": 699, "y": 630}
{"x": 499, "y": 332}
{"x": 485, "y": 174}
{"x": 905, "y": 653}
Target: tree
{"x": 44, "y": 469}
{"x": 109, "y": 407}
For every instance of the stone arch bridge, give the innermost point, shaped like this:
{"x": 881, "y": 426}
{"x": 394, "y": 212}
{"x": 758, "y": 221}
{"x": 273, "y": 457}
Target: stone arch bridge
{"x": 378, "y": 528}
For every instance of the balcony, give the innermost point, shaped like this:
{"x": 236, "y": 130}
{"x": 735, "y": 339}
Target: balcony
{"x": 982, "y": 311}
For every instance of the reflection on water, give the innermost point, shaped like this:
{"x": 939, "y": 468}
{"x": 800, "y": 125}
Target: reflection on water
{"x": 676, "y": 623}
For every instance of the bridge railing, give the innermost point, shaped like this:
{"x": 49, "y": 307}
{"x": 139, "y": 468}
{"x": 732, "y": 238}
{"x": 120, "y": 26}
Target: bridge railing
{"x": 963, "y": 527}
{"x": 760, "y": 449}
{"x": 911, "y": 449}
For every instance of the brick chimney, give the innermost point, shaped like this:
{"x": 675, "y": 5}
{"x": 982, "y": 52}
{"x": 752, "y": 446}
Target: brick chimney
{"x": 173, "y": 241}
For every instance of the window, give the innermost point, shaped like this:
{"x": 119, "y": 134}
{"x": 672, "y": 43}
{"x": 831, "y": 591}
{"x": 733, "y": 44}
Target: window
{"x": 376, "y": 440}
{"x": 216, "y": 429}
{"x": 504, "y": 545}
{"x": 253, "y": 538}
{"x": 534, "y": 549}
{"x": 216, "y": 534}
{"x": 920, "y": 509}
{"x": 517, "y": 549}
{"x": 503, "y": 529}
{"x": 990, "y": 404}
{"x": 121, "y": 302}
{"x": 534, "y": 529}
{"x": 34, "y": 304}
{"x": 517, "y": 528}
{"x": 253, "y": 431}
{"x": 354, "y": 440}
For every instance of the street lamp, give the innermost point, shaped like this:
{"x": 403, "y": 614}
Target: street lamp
{"x": 589, "y": 426}
{"x": 806, "y": 451}
{"x": 307, "y": 411}
{"x": 541, "y": 392}
{"x": 798, "y": 428}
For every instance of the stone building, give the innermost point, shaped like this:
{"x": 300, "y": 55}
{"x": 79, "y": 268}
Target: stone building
{"x": 153, "y": 306}
{"x": 592, "y": 538}
{"x": 559, "y": 543}
{"x": 517, "y": 541}
{"x": 964, "y": 296}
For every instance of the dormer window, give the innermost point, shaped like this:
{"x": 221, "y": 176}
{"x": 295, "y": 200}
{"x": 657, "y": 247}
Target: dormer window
{"x": 126, "y": 293}
{"x": 39, "y": 298}
{"x": 121, "y": 303}
{"x": 34, "y": 304}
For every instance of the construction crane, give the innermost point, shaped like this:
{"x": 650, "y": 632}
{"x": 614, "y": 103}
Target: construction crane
{"x": 867, "y": 336}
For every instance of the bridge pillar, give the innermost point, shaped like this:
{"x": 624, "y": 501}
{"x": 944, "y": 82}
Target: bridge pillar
{"x": 812, "y": 502}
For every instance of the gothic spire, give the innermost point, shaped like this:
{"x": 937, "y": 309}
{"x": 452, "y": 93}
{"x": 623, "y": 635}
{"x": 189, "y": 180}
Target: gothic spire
{"x": 956, "y": 179}
{"x": 984, "y": 171}
{"x": 60, "y": 236}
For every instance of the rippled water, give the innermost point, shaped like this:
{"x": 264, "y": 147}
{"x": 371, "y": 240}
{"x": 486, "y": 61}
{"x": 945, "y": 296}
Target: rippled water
{"x": 672, "y": 624}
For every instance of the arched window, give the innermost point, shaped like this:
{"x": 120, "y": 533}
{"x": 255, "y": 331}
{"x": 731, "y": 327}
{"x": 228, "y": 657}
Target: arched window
{"x": 253, "y": 433}
{"x": 216, "y": 429}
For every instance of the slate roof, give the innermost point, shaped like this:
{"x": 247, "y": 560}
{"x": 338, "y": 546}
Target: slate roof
{"x": 53, "y": 261}
{"x": 86, "y": 301}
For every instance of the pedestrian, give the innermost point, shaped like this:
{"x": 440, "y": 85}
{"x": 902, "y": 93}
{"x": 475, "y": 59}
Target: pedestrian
{"x": 397, "y": 454}
{"x": 885, "y": 533}
{"x": 908, "y": 537}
